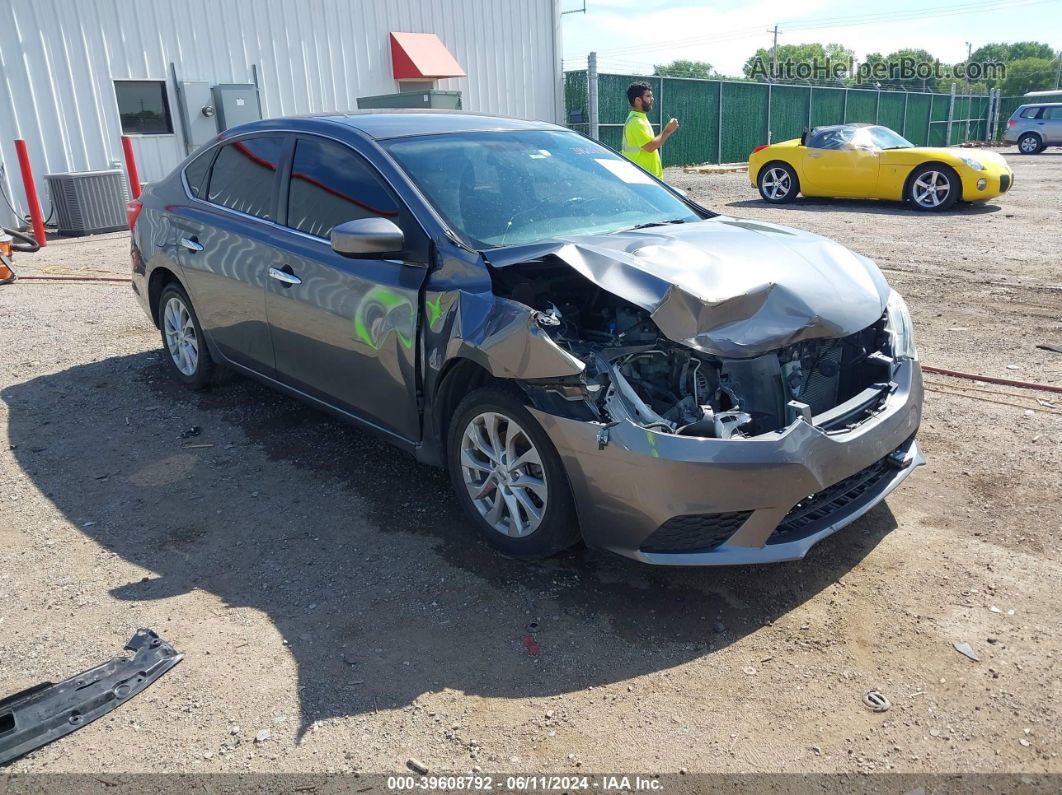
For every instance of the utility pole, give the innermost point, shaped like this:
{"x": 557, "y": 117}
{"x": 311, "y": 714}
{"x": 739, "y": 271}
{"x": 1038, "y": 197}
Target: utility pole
{"x": 1058, "y": 77}
{"x": 966, "y": 73}
{"x": 774, "y": 52}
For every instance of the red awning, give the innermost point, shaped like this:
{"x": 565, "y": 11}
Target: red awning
{"x": 421, "y": 56}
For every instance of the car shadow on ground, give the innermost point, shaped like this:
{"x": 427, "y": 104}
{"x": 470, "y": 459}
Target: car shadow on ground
{"x": 358, "y": 554}
{"x": 864, "y": 206}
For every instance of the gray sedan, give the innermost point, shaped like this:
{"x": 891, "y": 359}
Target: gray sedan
{"x": 590, "y": 354}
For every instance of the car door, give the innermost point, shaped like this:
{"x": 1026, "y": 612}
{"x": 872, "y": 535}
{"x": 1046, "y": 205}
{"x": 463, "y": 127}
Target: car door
{"x": 344, "y": 329}
{"x": 1052, "y": 125}
{"x": 839, "y": 163}
{"x": 225, "y": 237}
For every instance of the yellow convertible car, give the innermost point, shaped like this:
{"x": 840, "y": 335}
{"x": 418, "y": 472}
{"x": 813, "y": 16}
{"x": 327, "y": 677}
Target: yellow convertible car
{"x": 866, "y": 161}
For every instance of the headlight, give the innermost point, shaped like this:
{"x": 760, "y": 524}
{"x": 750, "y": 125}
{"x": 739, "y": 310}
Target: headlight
{"x": 901, "y": 332}
{"x": 976, "y": 165}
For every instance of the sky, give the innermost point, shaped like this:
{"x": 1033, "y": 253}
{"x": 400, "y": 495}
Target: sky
{"x": 635, "y": 34}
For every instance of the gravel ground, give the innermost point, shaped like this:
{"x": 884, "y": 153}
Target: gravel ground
{"x": 329, "y": 599}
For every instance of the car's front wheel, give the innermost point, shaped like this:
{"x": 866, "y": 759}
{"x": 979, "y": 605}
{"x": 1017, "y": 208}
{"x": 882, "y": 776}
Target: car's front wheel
{"x": 182, "y": 338}
{"x": 778, "y": 183}
{"x": 1030, "y": 144}
{"x": 934, "y": 187}
{"x": 508, "y": 476}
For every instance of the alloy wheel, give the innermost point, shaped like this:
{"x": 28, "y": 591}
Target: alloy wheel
{"x": 1029, "y": 145}
{"x": 181, "y": 339}
{"x": 776, "y": 183}
{"x": 503, "y": 473}
{"x": 931, "y": 189}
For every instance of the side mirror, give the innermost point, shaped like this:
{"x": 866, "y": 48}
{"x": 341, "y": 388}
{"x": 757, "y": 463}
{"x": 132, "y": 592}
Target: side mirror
{"x": 367, "y": 236}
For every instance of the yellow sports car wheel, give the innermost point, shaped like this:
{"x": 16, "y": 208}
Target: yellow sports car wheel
{"x": 778, "y": 183}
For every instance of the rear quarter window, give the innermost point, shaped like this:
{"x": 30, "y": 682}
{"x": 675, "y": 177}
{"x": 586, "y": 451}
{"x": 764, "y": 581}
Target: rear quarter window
{"x": 195, "y": 173}
{"x": 1030, "y": 113}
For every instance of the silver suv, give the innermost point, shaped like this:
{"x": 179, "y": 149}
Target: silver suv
{"x": 1035, "y": 127}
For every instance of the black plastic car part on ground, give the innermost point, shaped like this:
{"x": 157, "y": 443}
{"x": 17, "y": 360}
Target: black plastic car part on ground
{"x": 48, "y": 711}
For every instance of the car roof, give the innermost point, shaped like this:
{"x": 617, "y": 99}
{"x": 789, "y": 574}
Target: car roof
{"x": 397, "y": 123}
{"x": 1041, "y": 105}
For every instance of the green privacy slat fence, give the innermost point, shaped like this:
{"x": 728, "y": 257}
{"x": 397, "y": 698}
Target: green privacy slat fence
{"x": 722, "y": 121}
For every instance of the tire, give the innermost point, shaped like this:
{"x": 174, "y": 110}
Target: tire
{"x": 1030, "y": 144}
{"x": 183, "y": 343}
{"x": 778, "y": 183}
{"x": 501, "y": 407}
{"x": 934, "y": 188}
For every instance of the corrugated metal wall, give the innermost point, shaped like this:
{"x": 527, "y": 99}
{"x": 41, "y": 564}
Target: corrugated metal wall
{"x": 59, "y": 58}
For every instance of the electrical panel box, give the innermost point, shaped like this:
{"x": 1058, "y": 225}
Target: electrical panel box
{"x": 197, "y": 105}
{"x": 235, "y": 103}
{"x": 449, "y": 100}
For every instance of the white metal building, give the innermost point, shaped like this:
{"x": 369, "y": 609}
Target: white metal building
{"x": 75, "y": 75}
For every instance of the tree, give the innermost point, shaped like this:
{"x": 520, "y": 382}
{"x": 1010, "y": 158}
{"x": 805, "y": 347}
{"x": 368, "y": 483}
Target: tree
{"x": 1030, "y": 74}
{"x": 1008, "y": 53}
{"x": 1014, "y": 51}
{"x": 698, "y": 69}
{"x": 889, "y": 70}
{"x": 812, "y": 62}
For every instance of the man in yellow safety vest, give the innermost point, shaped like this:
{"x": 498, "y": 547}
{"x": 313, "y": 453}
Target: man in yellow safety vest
{"x": 639, "y": 143}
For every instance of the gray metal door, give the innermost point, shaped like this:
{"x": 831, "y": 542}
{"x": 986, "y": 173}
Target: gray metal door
{"x": 344, "y": 330}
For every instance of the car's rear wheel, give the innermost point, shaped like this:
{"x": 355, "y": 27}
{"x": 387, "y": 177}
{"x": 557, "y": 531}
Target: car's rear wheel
{"x": 778, "y": 183}
{"x": 934, "y": 187}
{"x": 1030, "y": 144}
{"x": 182, "y": 338}
{"x": 508, "y": 476}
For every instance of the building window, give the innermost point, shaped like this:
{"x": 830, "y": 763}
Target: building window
{"x": 142, "y": 107}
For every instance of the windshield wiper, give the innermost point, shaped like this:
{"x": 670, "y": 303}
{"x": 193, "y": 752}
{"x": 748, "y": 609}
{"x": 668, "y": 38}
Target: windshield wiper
{"x": 654, "y": 223}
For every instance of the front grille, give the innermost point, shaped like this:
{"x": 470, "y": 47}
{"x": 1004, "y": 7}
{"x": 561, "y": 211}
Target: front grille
{"x": 695, "y": 533}
{"x": 1004, "y": 183}
{"x": 814, "y": 509}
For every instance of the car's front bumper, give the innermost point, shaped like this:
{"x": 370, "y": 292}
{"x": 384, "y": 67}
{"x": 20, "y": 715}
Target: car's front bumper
{"x": 630, "y": 481}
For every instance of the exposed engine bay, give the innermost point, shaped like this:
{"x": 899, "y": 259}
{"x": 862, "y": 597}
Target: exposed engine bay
{"x": 634, "y": 371}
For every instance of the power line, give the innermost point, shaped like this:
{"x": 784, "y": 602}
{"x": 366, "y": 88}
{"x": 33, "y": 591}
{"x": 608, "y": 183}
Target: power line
{"x": 828, "y": 22}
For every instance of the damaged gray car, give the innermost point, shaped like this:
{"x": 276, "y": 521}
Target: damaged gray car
{"x": 591, "y": 355}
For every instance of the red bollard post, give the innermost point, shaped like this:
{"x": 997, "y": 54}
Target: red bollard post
{"x": 130, "y": 166}
{"x": 36, "y": 216}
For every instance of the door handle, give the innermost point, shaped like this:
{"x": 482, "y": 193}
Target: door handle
{"x": 284, "y": 277}
{"x": 814, "y": 155}
{"x": 191, "y": 244}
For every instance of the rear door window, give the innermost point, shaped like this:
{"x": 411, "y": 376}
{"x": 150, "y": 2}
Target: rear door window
{"x": 1054, "y": 114}
{"x": 244, "y": 176}
{"x": 330, "y": 185}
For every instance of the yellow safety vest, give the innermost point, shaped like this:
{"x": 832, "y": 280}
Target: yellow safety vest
{"x": 637, "y": 132}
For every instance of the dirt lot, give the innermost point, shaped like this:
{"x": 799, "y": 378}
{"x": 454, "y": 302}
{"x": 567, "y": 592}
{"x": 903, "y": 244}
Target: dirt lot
{"x": 323, "y": 587}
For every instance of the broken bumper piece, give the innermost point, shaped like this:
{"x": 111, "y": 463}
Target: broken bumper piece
{"x": 48, "y": 711}
{"x": 686, "y": 501}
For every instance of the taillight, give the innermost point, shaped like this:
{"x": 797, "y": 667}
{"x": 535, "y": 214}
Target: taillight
{"x": 758, "y": 148}
{"x": 132, "y": 212}
{"x": 1011, "y": 122}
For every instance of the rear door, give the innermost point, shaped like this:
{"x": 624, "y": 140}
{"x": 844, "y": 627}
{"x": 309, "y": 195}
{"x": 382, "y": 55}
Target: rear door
{"x": 225, "y": 246}
{"x": 345, "y": 329}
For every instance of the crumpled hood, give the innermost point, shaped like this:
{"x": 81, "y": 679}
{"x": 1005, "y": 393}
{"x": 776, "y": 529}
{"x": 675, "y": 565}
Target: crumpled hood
{"x": 727, "y": 286}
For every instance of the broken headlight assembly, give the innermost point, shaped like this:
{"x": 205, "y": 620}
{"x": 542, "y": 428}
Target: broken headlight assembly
{"x": 901, "y": 331}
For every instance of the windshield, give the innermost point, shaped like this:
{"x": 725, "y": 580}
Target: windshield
{"x": 884, "y": 138}
{"x": 511, "y": 188}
